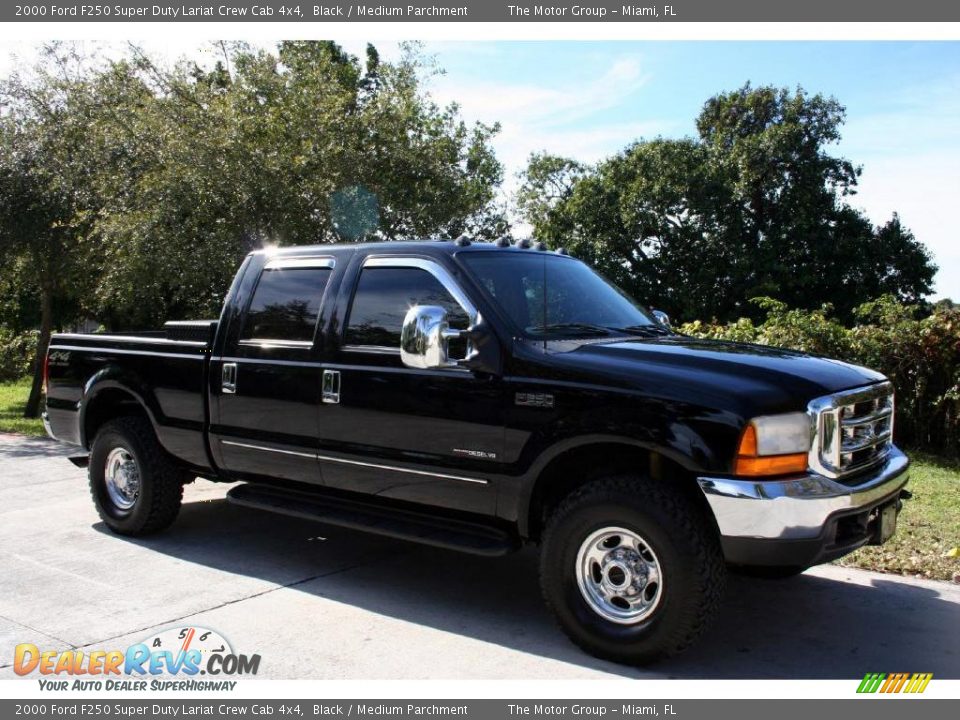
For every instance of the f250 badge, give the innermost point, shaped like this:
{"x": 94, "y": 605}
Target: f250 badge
{"x": 537, "y": 400}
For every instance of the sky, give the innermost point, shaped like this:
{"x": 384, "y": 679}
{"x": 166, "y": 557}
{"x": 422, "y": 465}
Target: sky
{"x": 588, "y": 100}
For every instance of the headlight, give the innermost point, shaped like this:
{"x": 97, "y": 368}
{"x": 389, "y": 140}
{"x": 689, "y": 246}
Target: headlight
{"x": 774, "y": 445}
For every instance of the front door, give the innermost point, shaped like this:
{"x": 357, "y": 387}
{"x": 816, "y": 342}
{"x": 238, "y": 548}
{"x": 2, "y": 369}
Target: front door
{"x": 427, "y": 436}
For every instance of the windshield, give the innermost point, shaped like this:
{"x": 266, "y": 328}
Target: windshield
{"x": 555, "y": 296}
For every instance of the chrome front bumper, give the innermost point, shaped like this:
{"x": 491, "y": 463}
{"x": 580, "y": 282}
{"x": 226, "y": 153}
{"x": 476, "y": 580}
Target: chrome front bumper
{"x": 798, "y": 508}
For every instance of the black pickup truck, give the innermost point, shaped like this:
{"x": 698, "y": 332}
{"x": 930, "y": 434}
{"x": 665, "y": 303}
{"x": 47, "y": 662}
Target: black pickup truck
{"x": 479, "y": 396}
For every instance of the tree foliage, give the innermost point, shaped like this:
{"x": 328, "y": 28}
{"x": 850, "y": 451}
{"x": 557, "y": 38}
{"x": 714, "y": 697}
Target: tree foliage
{"x": 180, "y": 171}
{"x": 43, "y": 183}
{"x": 130, "y": 192}
{"x": 754, "y": 205}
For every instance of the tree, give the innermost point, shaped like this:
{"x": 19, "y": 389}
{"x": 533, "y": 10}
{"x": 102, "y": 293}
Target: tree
{"x": 40, "y": 223}
{"x": 646, "y": 218}
{"x": 303, "y": 146}
{"x": 135, "y": 190}
{"x": 175, "y": 173}
{"x": 896, "y": 264}
{"x": 32, "y": 225}
{"x": 547, "y": 183}
{"x": 754, "y": 206}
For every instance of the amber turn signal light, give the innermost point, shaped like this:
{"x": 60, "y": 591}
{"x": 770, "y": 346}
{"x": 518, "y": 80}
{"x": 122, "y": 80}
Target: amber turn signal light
{"x": 750, "y": 464}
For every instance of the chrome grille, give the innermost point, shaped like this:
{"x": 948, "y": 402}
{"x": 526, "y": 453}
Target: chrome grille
{"x": 853, "y": 430}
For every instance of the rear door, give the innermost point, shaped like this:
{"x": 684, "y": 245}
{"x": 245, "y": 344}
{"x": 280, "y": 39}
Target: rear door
{"x": 266, "y": 386}
{"x": 427, "y": 436}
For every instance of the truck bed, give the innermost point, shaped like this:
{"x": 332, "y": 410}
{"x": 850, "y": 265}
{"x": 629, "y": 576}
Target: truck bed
{"x": 165, "y": 371}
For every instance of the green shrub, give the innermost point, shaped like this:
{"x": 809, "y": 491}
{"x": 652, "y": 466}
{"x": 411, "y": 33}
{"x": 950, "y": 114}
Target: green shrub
{"x": 16, "y": 353}
{"x": 921, "y": 356}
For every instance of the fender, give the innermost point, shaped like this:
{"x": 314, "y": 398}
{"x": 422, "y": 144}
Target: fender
{"x": 114, "y": 377}
{"x": 516, "y": 497}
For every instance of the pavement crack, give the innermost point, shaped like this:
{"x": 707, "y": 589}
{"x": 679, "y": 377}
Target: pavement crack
{"x": 36, "y": 630}
{"x": 55, "y": 568}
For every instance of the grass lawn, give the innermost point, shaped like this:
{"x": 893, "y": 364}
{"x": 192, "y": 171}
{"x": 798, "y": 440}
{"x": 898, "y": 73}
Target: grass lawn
{"x": 929, "y": 526}
{"x": 13, "y": 398}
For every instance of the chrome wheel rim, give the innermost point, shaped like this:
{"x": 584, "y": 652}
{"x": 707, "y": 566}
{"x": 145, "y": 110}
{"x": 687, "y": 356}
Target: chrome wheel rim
{"x": 619, "y": 575}
{"x": 122, "y": 478}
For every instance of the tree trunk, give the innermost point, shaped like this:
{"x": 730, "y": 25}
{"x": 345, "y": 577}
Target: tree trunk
{"x": 43, "y": 342}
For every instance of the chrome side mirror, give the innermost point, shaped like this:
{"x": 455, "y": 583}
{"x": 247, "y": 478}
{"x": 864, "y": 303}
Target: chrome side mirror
{"x": 662, "y": 317}
{"x": 425, "y": 337}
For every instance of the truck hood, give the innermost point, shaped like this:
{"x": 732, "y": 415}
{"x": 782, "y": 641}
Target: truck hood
{"x": 773, "y": 379}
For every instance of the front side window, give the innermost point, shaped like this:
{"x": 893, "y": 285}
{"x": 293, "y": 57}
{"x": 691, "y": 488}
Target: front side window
{"x": 550, "y": 296}
{"x": 285, "y": 304}
{"x": 383, "y": 297}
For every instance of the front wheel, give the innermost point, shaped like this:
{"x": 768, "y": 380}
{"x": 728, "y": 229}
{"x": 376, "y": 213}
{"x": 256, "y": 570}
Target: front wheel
{"x": 135, "y": 487}
{"x": 631, "y": 569}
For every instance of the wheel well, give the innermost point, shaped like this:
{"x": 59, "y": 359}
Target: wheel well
{"x": 107, "y": 405}
{"x": 579, "y": 466}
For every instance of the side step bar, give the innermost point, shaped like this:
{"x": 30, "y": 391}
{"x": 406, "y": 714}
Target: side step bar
{"x": 474, "y": 538}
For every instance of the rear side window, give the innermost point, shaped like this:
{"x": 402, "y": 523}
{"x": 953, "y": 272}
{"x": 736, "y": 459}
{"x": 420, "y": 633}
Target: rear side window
{"x": 285, "y": 304}
{"x": 384, "y": 295}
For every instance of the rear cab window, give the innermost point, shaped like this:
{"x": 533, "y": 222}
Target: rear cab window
{"x": 286, "y": 303}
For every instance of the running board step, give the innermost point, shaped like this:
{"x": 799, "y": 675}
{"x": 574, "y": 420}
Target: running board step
{"x": 473, "y": 538}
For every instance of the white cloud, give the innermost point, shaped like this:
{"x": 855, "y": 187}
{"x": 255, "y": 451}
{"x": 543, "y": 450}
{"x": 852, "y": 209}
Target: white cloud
{"x": 549, "y": 105}
{"x": 567, "y": 117}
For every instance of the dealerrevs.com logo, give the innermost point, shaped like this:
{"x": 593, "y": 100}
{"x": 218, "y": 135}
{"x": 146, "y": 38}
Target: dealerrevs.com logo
{"x": 173, "y": 659}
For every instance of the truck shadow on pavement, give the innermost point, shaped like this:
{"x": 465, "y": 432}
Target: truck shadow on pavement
{"x": 24, "y": 446}
{"x": 806, "y": 627}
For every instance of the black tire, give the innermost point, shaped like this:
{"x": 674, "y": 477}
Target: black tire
{"x": 684, "y": 544}
{"x": 768, "y": 572}
{"x": 157, "y": 503}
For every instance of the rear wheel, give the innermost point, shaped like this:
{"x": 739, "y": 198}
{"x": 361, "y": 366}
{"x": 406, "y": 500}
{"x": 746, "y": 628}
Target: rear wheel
{"x": 135, "y": 487}
{"x": 632, "y": 570}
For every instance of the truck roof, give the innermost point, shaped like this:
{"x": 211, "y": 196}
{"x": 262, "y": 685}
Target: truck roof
{"x": 428, "y": 247}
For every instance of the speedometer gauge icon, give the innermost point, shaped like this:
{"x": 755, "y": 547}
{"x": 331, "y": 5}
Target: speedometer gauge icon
{"x": 177, "y": 640}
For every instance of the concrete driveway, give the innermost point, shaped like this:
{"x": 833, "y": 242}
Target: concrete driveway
{"x": 321, "y": 602}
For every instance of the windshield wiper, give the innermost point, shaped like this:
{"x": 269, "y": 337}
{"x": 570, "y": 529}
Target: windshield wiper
{"x": 644, "y": 330}
{"x": 571, "y": 327}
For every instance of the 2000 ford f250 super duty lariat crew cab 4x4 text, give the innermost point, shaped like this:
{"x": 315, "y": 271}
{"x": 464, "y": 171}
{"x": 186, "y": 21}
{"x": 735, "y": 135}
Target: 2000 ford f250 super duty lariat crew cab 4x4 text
{"x": 478, "y": 396}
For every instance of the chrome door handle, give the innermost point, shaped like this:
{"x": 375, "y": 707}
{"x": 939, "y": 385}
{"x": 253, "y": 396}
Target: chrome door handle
{"x": 228, "y": 378}
{"x": 330, "y": 391}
